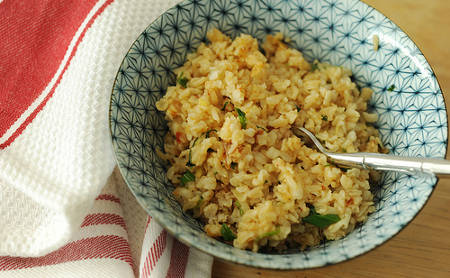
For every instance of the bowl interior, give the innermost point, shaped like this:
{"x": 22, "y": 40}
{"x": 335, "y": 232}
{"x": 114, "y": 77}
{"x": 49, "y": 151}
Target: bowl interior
{"x": 412, "y": 116}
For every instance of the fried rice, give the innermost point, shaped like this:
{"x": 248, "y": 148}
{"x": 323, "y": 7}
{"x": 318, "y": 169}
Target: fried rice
{"x": 236, "y": 164}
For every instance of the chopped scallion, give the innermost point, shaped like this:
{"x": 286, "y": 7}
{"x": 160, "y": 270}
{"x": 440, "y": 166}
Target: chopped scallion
{"x": 208, "y": 132}
{"x": 269, "y": 234}
{"x": 182, "y": 80}
{"x": 260, "y": 127}
{"x": 189, "y": 163}
{"x": 187, "y": 177}
{"x": 321, "y": 221}
{"x": 199, "y": 203}
{"x": 225, "y": 105}
{"x": 239, "y": 207}
{"x": 195, "y": 141}
{"x": 227, "y": 233}
{"x": 242, "y": 118}
{"x": 392, "y": 88}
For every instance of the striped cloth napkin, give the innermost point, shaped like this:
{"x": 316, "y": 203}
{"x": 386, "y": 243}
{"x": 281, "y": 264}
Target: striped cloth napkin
{"x": 63, "y": 212}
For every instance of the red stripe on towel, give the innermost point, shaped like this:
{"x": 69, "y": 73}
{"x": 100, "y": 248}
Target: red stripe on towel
{"x": 178, "y": 260}
{"x": 113, "y": 247}
{"x": 104, "y": 218}
{"x": 108, "y": 197}
{"x": 154, "y": 254}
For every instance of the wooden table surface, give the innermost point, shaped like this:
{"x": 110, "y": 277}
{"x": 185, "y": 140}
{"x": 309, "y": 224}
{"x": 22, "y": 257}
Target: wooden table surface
{"x": 422, "y": 249}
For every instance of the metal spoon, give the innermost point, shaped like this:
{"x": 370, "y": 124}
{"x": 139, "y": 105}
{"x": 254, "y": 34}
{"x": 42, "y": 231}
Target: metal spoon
{"x": 376, "y": 161}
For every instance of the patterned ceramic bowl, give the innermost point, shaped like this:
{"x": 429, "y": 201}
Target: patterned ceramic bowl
{"x": 412, "y": 116}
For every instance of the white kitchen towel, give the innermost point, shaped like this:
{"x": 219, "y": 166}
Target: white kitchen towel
{"x": 99, "y": 249}
{"x": 58, "y": 60}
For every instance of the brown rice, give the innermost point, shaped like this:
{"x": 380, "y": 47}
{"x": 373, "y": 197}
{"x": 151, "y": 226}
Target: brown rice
{"x": 258, "y": 178}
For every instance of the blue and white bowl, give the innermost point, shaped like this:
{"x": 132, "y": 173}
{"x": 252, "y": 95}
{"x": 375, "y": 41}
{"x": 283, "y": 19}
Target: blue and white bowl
{"x": 412, "y": 116}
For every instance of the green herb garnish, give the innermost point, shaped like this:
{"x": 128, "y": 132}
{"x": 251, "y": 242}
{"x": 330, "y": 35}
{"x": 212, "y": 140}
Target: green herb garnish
{"x": 224, "y": 105}
{"x": 344, "y": 150}
{"x": 260, "y": 127}
{"x": 208, "y": 132}
{"x": 324, "y": 118}
{"x": 268, "y": 234}
{"x": 199, "y": 203}
{"x": 233, "y": 165}
{"x": 227, "y": 233}
{"x": 182, "y": 80}
{"x": 242, "y": 118}
{"x": 298, "y": 108}
{"x": 187, "y": 177}
{"x": 195, "y": 141}
{"x": 321, "y": 221}
{"x": 390, "y": 89}
{"x": 239, "y": 207}
{"x": 189, "y": 163}
{"x": 314, "y": 66}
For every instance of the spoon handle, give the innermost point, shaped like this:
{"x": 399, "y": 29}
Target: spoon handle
{"x": 385, "y": 162}
{"x": 377, "y": 161}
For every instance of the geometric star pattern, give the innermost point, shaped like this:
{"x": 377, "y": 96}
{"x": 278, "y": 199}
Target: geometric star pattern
{"x": 407, "y": 98}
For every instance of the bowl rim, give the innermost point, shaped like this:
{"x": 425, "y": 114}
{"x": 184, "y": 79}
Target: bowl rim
{"x": 245, "y": 263}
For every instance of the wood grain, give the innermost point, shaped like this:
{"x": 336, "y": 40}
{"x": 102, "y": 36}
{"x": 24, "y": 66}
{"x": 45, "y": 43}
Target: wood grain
{"x": 422, "y": 249}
